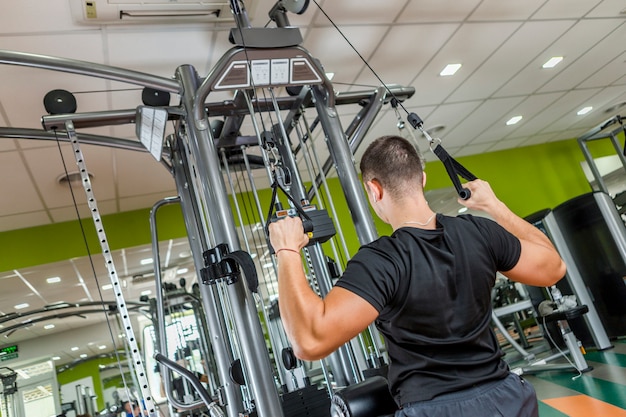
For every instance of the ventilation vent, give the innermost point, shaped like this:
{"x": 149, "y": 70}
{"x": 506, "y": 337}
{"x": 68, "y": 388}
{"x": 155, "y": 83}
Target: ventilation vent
{"x": 152, "y": 11}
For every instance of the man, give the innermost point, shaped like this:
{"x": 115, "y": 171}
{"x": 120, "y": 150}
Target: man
{"x": 427, "y": 286}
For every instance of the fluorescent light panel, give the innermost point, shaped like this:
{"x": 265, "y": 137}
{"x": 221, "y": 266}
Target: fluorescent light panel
{"x": 584, "y": 110}
{"x": 21, "y": 306}
{"x": 48, "y": 326}
{"x": 450, "y": 69}
{"x": 53, "y": 280}
{"x": 552, "y": 62}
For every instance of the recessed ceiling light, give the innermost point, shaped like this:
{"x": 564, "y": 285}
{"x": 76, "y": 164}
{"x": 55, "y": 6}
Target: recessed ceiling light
{"x": 56, "y": 358}
{"x": 83, "y": 355}
{"x": 513, "y": 120}
{"x": 182, "y": 270}
{"x": 53, "y": 280}
{"x": 107, "y": 286}
{"x": 462, "y": 210}
{"x": 450, "y": 69}
{"x": 48, "y": 326}
{"x": 184, "y": 254}
{"x": 74, "y": 348}
{"x": 552, "y": 62}
{"x": 21, "y": 306}
{"x": 584, "y": 110}
{"x": 146, "y": 292}
{"x": 268, "y": 265}
{"x": 102, "y": 347}
{"x": 146, "y": 261}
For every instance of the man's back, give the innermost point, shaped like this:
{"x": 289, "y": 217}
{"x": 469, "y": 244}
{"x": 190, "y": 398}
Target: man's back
{"x": 432, "y": 289}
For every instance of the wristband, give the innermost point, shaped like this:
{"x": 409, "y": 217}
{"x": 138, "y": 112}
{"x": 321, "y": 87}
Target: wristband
{"x": 288, "y": 250}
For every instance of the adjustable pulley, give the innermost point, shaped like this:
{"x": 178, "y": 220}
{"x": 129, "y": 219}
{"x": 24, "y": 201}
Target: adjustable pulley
{"x": 453, "y": 167}
{"x": 316, "y": 222}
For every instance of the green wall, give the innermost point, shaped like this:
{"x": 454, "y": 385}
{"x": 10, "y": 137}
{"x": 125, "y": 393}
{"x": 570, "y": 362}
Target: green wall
{"x": 527, "y": 179}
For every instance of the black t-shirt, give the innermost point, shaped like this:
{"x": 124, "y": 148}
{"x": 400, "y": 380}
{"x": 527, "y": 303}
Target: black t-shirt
{"x": 432, "y": 289}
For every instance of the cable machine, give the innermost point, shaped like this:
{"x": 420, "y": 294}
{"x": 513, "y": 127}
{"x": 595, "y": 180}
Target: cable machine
{"x": 283, "y": 98}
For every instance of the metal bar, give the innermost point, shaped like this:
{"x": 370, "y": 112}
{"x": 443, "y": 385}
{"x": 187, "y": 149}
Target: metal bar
{"x": 113, "y": 276}
{"x": 160, "y": 319}
{"x": 340, "y": 151}
{"x": 199, "y": 244}
{"x": 255, "y": 359}
{"x": 87, "y": 139}
{"x": 90, "y": 69}
{"x": 358, "y": 128}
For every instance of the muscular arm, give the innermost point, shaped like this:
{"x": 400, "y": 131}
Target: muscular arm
{"x": 539, "y": 263}
{"x": 315, "y": 326}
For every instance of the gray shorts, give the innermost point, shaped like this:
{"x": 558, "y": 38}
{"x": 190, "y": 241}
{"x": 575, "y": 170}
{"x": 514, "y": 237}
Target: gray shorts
{"x": 508, "y": 397}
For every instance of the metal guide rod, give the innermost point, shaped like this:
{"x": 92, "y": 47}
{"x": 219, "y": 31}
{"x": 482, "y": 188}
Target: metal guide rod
{"x": 198, "y": 244}
{"x": 246, "y": 239}
{"x": 343, "y": 358}
{"x": 108, "y": 258}
{"x": 89, "y": 68}
{"x": 344, "y": 162}
{"x": 255, "y": 357}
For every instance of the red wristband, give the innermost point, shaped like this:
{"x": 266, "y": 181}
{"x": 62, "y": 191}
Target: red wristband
{"x": 288, "y": 250}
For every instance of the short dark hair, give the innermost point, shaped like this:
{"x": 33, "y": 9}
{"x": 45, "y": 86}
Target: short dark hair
{"x": 392, "y": 161}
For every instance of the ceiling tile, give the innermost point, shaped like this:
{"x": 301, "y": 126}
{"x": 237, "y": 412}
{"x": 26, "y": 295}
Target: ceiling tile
{"x": 470, "y": 46}
{"x": 343, "y": 61}
{"x": 448, "y": 116}
{"x": 487, "y": 114}
{"x": 47, "y": 167}
{"x": 149, "y": 176}
{"x": 370, "y": 12}
{"x": 158, "y": 51}
{"x": 565, "y": 9}
{"x": 505, "y": 144}
{"x": 515, "y": 53}
{"x": 7, "y": 145}
{"x": 571, "y": 46}
{"x": 137, "y": 202}
{"x": 607, "y": 8}
{"x": 22, "y": 220}
{"x": 22, "y": 196}
{"x": 613, "y": 70}
{"x": 51, "y": 15}
{"x": 536, "y": 139}
{"x": 569, "y": 104}
{"x": 68, "y": 213}
{"x": 394, "y": 65}
{"x": 437, "y": 11}
{"x": 528, "y": 108}
{"x": 505, "y": 10}
{"x": 578, "y": 69}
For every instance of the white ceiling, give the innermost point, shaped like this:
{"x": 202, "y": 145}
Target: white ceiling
{"x": 502, "y": 45}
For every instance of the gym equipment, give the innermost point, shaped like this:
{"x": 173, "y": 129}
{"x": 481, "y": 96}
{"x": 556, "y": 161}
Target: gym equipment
{"x": 262, "y": 64}
{"x": 369, "y": 398}
{"x": 575, "y": 360}
{"x": 607, "y": 130}
{"x": 9, "y": 387}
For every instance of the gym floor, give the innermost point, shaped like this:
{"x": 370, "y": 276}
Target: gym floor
{"x": 600, "y": 392}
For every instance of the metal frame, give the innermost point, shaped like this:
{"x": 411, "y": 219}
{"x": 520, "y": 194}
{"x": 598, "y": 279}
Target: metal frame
{"x": 204, "y": 197}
